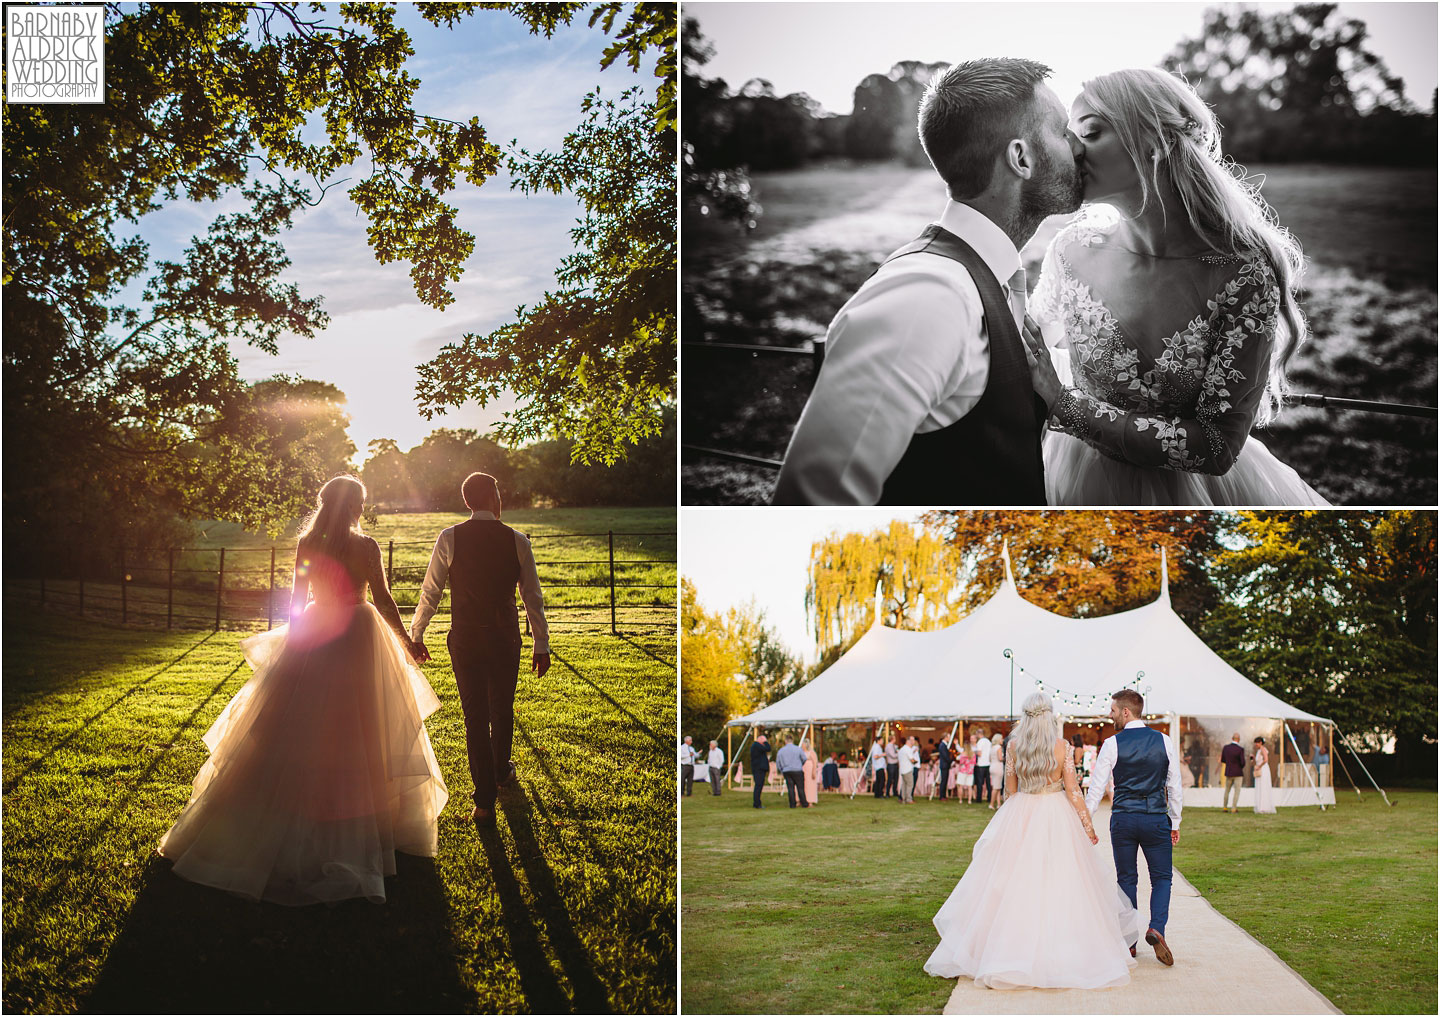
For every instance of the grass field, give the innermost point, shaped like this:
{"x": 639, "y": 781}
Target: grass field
{"x": 572, "y": 552}
{"x": 1370, "y": 295}
{"x": 794, "y": 912}
{"x": 567, "y": 906}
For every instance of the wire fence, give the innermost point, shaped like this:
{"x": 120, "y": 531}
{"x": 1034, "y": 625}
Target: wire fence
{"x": 620, "y": 585}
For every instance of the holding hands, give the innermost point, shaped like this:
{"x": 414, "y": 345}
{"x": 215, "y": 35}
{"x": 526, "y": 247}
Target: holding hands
{"x": 417, "y": 651}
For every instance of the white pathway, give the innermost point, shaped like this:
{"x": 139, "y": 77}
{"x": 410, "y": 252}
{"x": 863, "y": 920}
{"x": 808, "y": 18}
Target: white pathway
{"x": 1219, "y": 969}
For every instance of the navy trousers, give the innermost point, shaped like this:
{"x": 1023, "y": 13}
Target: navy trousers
{"x": 1130, "y": 833}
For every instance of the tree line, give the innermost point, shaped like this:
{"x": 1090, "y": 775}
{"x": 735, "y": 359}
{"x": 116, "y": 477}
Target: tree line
{"x": 1292, "y": 86}
{"x": 1333, "y": 612}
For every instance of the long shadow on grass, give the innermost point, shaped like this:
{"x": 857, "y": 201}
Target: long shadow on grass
{"x": 664, "y": 742}
{"x": 590, "y": 995}
{"x": 187, "y": 948}
{"x": 39, "y": 761}
{"x": 667, "y": 661}
{"x": 79, "y": 860}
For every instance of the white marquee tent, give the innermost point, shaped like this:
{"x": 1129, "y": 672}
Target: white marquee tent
{"x": 963, "y": 672}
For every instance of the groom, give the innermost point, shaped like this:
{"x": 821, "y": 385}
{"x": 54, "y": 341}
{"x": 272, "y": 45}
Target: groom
{"x": 925, "y": 396}
{"x": 484, "y": 560}
{"x": 1145, "y": 812}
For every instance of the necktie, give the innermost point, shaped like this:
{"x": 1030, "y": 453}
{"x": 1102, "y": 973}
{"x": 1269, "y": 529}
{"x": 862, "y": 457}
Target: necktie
{"x": 1016, "y": 286}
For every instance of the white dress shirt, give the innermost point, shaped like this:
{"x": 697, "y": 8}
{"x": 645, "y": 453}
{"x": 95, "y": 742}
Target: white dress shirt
{"x": 1105, "y": 766}
{"x": 716, "y": 759}
{"x": 687, "y": 754}
{"x": 982, "y": 752}
{"x": 439, "y": 571}
{"x": 909, "y": 759}
{"x": 906, "y": 355}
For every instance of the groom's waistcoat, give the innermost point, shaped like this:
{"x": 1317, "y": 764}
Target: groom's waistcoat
{"x": 991, "y": 455}
{"x": 1141, "y": 766}
{"x": 484, "y": 571}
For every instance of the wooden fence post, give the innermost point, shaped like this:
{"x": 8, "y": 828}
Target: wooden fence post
{"x": 390, "y": 566}
{"x": 270, "y": 600}
{"x": 219, "y": 588}
{"x": 124, "y": 587}
{"x": 170, "y": 590}
{"x": 613, "y": 630}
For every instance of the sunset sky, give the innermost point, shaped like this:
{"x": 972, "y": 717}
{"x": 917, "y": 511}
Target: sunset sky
{"x": 826, "y": 49}
{"x": 520, "y": 87}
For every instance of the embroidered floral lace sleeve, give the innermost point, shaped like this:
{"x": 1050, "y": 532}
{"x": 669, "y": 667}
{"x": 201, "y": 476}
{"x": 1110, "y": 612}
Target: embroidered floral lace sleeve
{"x": 1044, "y": 304}
{"x": 1072, "y": 791}
{"x": 1231, "y": 366}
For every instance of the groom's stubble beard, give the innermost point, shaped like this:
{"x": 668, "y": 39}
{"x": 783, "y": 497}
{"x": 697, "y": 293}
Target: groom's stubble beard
{"x": 1055, "y": 189}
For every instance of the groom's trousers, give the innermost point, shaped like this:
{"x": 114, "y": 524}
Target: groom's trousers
{"x": 487, "y": 669}
{"x": 1130, "y": 833}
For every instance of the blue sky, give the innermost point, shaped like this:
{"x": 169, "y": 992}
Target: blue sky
{"x": 522, "y": 87}
{"x": 826, "y": 49}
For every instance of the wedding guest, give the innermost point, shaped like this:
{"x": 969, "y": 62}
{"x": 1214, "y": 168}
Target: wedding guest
{"x": 790, "y": 761}
{"x": 997, "y": 770}
{"x": 982, "y": 766}
{"x": 877, "y": 769}
{"x": 966, "y": 764}
{"x": 1233, "y": 756}
{"x": 943, "y": 776}
{"x": 892, "y": 769}
{"x": 830, "y": 774}
{"x": 1077, "y": 749}
{"x": 759, "y": 765}
{"x": 716, "y": 762}
{"x": 909, "y": 761}
{"x": 1264, "y": 798}
{"x": 700, "y": 774}
{"x": 1195, "y": 761}
{"x": 812, "y": 773}
{"x": 687, "y": 767}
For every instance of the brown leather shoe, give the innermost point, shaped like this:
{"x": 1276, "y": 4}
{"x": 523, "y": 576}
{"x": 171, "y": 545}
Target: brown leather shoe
{"x": 1132, "y": 949}
{"x": 479, "y": 815}
{"x": 508, "y": 778}
{"x": 1162, "y": 951}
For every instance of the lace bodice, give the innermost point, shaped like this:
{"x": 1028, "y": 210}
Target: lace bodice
{"x": 342, "y": 579}
{"x": 1186, "y": 401}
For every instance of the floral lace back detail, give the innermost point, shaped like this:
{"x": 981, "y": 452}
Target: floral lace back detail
{"x": 1188, "y": 404}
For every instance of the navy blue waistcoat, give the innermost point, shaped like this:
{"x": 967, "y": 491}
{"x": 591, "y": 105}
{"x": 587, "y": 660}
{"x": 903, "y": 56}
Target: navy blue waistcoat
{"x": 1140, "y": 769}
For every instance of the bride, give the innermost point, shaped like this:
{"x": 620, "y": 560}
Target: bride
{"x": 1171, "y": 301}
{"x": 320, "y": 768}
{"x": 1034, "y": 878}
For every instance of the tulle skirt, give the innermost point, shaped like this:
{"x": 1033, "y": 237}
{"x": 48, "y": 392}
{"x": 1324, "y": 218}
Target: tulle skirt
{"x": 1039, "y": 905}
{"x": 320, "y": 768}
{"x": 1264, "y": 795}
{"x": 1076, "y": 474}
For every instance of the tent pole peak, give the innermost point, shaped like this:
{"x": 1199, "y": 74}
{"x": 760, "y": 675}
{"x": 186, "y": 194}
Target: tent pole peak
{"x": 1005, "y": 557}
{"x": 1164, "y": 578}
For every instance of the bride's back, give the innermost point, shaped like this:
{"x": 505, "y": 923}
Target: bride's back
{"x": 336, "y": 568}
{"x": 1030, "y": 752}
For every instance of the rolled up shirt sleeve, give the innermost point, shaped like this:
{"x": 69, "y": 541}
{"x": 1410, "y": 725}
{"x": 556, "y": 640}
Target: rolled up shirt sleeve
{"x": 436, "y": 575}
{"x": 530, "y": 594}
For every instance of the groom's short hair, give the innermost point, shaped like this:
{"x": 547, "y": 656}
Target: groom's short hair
{"x": 971, "y": 111}
{"x": 1130, "y": 700}
{"x": 481, "y": 493}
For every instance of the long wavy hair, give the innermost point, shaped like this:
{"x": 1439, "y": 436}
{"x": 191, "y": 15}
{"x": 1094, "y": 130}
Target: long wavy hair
{"x": 1173, "y": 138}
{"x": 336, "y": 517}
{"x": 1030, "y": 748}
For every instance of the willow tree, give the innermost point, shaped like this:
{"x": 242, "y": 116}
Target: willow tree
{"x": 914, "y": 568}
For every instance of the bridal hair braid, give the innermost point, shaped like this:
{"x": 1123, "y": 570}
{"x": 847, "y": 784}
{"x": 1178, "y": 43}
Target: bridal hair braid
{"x": 1030, "y": 749}
{"x": 1172, "y": 135}
{"x": 337, "y": 515}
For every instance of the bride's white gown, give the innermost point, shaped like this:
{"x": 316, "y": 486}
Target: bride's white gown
{"x": 320, "y": 768}
{"x": 1159, "y": 420}
{"x": 1039, "y": 905}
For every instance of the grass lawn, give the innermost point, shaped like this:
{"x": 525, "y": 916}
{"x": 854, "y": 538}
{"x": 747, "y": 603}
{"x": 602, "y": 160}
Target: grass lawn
{"x": 567, "y": 906}
{"x": 790, "y": 912}
{"x": 572, "y": 554}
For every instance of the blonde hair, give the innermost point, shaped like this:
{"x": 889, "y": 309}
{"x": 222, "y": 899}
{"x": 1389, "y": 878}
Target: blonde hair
{"x": 1030, "y": 750}
{"x": 336, "y": 516}
{"x": 1172, "y": 135}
